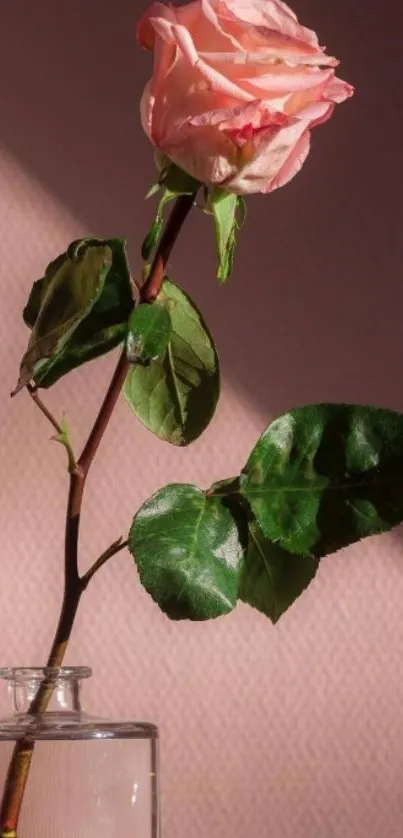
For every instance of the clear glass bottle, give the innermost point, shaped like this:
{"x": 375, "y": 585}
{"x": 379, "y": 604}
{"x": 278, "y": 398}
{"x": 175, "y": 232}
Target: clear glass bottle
{"x": 90, "y": 777}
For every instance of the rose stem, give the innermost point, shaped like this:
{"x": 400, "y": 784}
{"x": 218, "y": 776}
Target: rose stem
{"x": 74, "y": 584}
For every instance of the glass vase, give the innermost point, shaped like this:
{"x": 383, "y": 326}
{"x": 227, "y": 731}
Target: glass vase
{"x": 89, "y": 777}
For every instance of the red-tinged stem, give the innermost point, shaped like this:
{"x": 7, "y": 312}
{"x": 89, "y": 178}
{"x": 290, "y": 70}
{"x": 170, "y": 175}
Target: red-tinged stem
{"x": 74, "y": 584}
{"x": 152, "y": 286}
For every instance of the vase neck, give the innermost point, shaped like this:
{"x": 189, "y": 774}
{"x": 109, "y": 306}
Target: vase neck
{"x": 63, "y": 685}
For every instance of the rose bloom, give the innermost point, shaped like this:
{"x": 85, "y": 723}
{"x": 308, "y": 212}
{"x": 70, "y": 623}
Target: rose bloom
{"x": 237, "y": 87}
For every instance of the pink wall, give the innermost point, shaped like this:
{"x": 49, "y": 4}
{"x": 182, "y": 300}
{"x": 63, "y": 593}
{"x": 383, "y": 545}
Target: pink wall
{"x": 290, "y": 731}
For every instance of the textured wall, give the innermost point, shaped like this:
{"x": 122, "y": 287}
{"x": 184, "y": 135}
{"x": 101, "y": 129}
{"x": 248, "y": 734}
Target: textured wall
{"x": 290, "y": 731}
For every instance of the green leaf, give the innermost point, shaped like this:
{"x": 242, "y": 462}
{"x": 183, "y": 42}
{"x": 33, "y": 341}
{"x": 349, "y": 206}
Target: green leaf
{"x": 173, "y": 177}
{"x": 38, "y": 291}
{"x": 175, "y": 181}
{"x": 224, "y": 207}
{"x": 188, "y": 553}
{"x": 175, "y": 397}
{"x": 63, "y": 438}
{"x": 228, "y": 487}
{"x": 178, "y": 181}
{"x": 96, "y": 327}
{"x": 271, "y": 578}
{"x": 151, "y": 240}
{"x": 148, "y": 333}
{"x": 324, "y": 476}
{"x": 153, "y": 190}
{"x": 242, "y": 212}
{"x": 69, "y": 296}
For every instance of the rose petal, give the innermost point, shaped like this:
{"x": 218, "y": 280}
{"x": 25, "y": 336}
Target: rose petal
{"x": 293, "y": 164}
{"x": 271, "y": 14}
{"x": 338, "y": 90}
{"x": 299, "y": 101}
{"x": 231, "y": 117}
{"x": 268, "y": 56}
{"x": 146, "y": 110}
{"x": 211, "y": 16}
{"x": 205, "y": 153}
{"x": 275, "y": 39}
{"x": 189, "y": 14}
{"x": 145, "y": 28}
{"x": 281, "y": 81}
{"x": 271, "y": 155}
{"x": 175, "y": 33}
{"x": 164, "y": 59}
{"x": 318, "y": 105}
{"x": 317, "y": 113}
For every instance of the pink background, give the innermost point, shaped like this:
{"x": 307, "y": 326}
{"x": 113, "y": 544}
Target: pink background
{"x": 293, "y": 730}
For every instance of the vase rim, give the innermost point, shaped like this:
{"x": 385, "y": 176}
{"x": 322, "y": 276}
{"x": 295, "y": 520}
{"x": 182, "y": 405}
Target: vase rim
{"x": 39, "y": 673}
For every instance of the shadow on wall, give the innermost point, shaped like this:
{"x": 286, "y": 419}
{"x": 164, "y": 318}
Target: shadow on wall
{"x": 313, "y": 311}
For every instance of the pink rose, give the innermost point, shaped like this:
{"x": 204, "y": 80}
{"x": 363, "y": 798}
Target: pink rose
{"x": 236, "y": 89}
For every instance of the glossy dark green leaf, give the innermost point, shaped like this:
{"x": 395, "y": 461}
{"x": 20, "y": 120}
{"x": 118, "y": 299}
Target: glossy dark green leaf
{"x": 324, "y": 476}
{"x": 69, "y": 296}
{"x": 38, "y": 291}
{"x": 271, "y": 578}
{"x": 188, "y": 554}
{"x": 100, "y": 326}
{"x": 225, "y": 488}
{"x": 148, "y": 333}
{"x": 224, "y": 207}
{"x": 175, "y": 397}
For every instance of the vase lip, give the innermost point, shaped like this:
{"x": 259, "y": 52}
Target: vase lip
{"x": 22, "y": 674}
